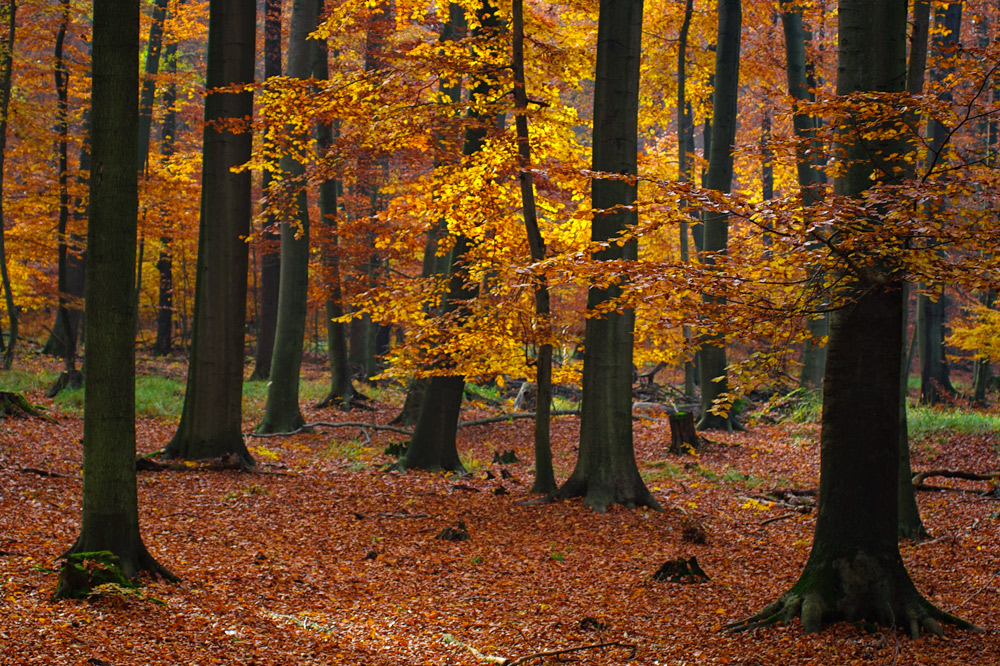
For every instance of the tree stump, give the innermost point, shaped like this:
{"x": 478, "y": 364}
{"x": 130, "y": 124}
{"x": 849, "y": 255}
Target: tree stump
{"x": 683, "y": 437}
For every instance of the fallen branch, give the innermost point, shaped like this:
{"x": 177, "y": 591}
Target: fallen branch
{"x": 516, "y": 415}
{"x": 329, "y": 424}
{"x": 920, "y": 477}
{"x": 775, "y": 519}
{"x": 41, "y": 472}
{"x": 502, "y": 661}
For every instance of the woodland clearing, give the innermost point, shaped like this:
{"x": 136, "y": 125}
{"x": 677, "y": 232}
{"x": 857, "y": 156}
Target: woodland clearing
{"x": 326, "y": 558}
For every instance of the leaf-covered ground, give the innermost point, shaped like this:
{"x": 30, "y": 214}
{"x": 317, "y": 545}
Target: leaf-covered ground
{"x": 327, "y": 559}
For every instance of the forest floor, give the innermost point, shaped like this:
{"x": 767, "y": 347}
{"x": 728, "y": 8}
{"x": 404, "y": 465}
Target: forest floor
{"x": 328, "y": 559}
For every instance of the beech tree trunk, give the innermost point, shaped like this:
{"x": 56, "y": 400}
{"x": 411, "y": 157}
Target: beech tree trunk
{"x": 110, "y": 517}
{"x": 281, "y": 411}
{"x": 685, "y": 152}
{"x": 270, "y": 252}
{"x": 211, "y": 420}
{"x": 606, "y": 472}
{"x": 165, "y": 264}
{"x": 433, "y": 445}
{"x": 811, "y": 179}
{"x": 854, "y": 571}
{"x": 8, "y": 12}
{"x": 715, "y": 226}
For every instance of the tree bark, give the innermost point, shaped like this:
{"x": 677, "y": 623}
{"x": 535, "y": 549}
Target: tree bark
{"x": 854, "y": 571}
{"x": 715, "y": 226}
{"x": 685, "y": 151}
{"x": 110, "y": 517}
{"x": 6, "y": 75}
{"x": 165, "y": 264}
{"x": 270, "y": 254}
{"x": 606, "y": 472}
{"x": 281, "y": 411}
{"x": 433, "y": 445}
{"x": 211, "y": 420}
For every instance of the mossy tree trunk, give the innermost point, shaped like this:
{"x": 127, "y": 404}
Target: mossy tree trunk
{"x": 854, "y": 571}
{"x": 8, "y": 18}
{"x": 715, "y": 226}
{"x": 211, "y": 419}
{"x": 606, "y": 471}
{"x": 281, "y": 411}
{"x": 110, "y": 518}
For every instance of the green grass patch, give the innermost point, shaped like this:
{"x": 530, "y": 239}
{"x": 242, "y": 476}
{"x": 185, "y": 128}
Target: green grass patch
{"x": 155, "y": 397}
{"x": 16, "y": 380}
{"x": 934, "y": 421}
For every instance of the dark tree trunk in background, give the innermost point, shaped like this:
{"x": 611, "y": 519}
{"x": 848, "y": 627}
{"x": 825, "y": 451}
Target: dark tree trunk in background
{"x": 8, "y": 12}
{"x": 211, "y": 420}
{"x": 935, "y": 381}
{"x": 606, "y": 471}
{"x": 341, "y": 389}
{"x": 715, "y": 226}
{"x": 110, "y": 517}
{"x": 685, "y": 153}
{"x": 811, "y": 179}
{"x": 855, "y": 572}
{"x": 281, "y": 412}
{"x": 165, "y": 264}
{"x": 270, "y": 253}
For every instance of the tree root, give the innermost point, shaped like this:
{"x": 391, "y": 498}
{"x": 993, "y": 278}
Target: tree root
{"x": 863, "y": 593}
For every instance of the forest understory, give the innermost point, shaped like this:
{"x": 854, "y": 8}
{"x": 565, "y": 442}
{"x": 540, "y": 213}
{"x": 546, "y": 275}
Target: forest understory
{"x": 323, "y": 557}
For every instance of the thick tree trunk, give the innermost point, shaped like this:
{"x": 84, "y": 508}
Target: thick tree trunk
{"x": 211, "y": 420}
{"x": 270, "y": 254}
{"x": 110, "y": 519}
{"x": 685, "y": 152}
{"x": 855, "y": 572}
{"x": 606, "y": 472}
{"x": 715, "y": 226}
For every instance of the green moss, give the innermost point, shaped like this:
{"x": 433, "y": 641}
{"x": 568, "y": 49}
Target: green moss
{"x": 80, "y": 573}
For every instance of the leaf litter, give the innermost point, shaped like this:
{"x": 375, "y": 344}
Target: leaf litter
{"x": 336, "y": 561}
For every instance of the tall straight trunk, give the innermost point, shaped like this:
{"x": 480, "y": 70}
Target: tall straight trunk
{"x": 8, "y": 12}
{"x": 981, "y": 373}
{"x": 685, "y": 150}
{"x": 810, "y": 177}
{"x": 854, "y": 571}
{"x": 545, "y": 481}
{"x": 935, "y": 381}
{"x": 910, "y": 524}
{"x": 451, "y": 94}
{"x": 270, "y": 253}
{"x": 211, "y": 420}
{"x": 110, "y": 515}
{"x": 606, "y": 472}
{"x": 165, "y": 264}
{"x": 719, "y": 177}
{"x": 70, "y": 375}
{"x": 341, "y": 388}
{"x": 433, "y": 444}
{"x": 281, "y": 411}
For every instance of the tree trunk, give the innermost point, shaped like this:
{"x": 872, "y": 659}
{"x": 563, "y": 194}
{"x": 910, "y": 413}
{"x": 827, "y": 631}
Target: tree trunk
{"x": 281, "y": 411}
{"x": 910, "y": 524}
{"x": 545, "y": 481}
{"x": 433, "y": 445}
{"x": 935, "y": 382}
{"x": 715, "y": 226}
{"x": 454, "y": 28}
{"x": 855, "y": 572}
{"x": 165, "y": 264}
{"x": 6, "y": 74}
{"x": 341, "y": 388}
{"x": 685, "y": 151}
{"x": 110, "y": 519}
{"x": 270, "y": 253}
{"x": 811, "y": 179}
{"x": 606, "y": 472}
{"x": 211, "y": 420}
